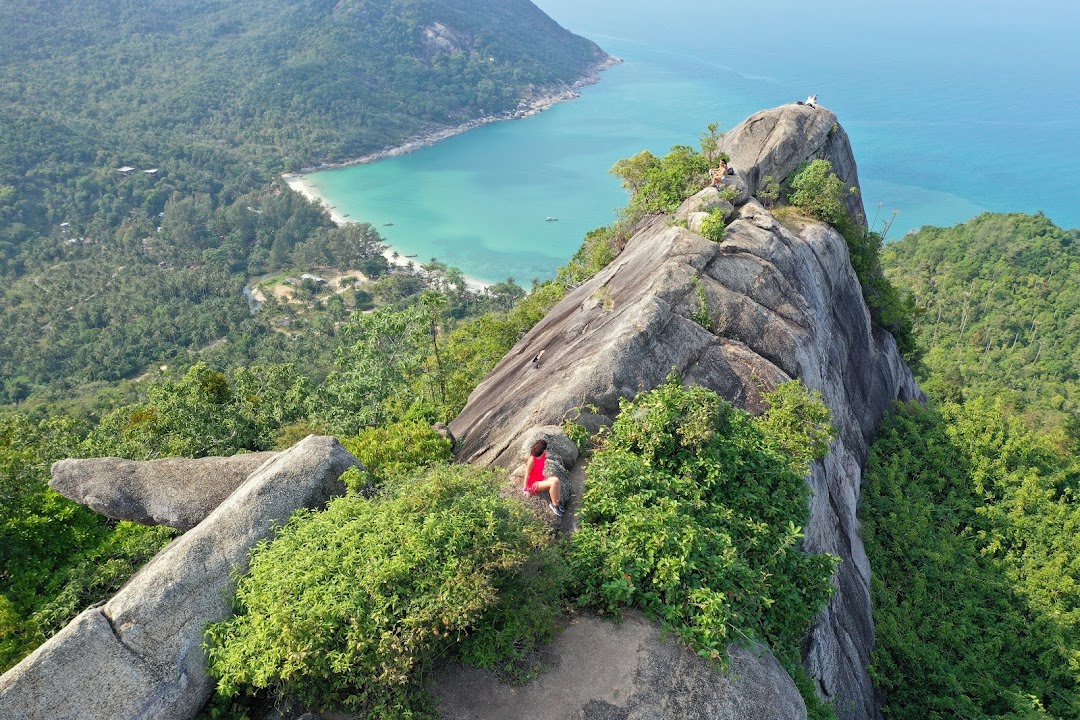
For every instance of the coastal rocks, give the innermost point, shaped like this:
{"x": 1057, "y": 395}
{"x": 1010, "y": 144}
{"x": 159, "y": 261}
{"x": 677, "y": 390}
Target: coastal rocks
{"x": 772, "y": 144}
{"x": 783, "y": 303}
{"x": 605, "y": 671}
{"x": 177, "y": 492}
{"x": 140, "y": 655}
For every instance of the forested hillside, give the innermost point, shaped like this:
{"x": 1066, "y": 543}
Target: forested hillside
{"x": 217, "y": 93}
{"x": 108, "y": 273}
{"x": 971, "y": 505}
{"x": 1000, "y": 309}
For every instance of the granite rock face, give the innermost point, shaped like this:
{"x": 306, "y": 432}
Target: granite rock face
{"x": 177, "y": 492}
{"x": 773, "y": 143}
{"x": 140, "y": 655}
{"x": 784, "y": 302}
{"x": 604, "y": 671}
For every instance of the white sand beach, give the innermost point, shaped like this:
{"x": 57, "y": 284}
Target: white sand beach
{"x": 300, "y": 184}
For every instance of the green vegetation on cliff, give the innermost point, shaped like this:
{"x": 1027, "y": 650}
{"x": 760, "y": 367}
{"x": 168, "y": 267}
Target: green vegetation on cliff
{"x": 817, "y": 191}
{"x": 694, "y": 513}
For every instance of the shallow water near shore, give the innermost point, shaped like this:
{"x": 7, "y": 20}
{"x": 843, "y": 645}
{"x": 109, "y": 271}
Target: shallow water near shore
{"x": 952, "y": 111}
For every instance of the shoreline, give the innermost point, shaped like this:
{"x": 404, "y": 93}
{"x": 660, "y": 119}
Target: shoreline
{"x": 526, "y": 108}
{"x": 300, "y": 184}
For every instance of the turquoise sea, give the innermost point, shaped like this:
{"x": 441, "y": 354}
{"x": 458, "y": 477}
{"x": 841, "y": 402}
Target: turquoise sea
{"x": 954, "y": 108}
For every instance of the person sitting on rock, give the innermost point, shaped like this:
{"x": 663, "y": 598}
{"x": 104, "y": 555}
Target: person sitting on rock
{"x": 535, "y": 480}
{"x": 719, "y": 173}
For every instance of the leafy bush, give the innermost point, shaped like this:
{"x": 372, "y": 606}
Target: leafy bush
{"x": 398, "y": 450}
{"x": 693, "y": 513}
{"x": 351, "y": 606}
{"x": 702, "y": 316}
{"x": 659, "y": 185}
{"x": 816, "y": 190}
{"x": 712, "y": 227}
{"x": 970, "y": 522}
{"x": 769, "y": 192}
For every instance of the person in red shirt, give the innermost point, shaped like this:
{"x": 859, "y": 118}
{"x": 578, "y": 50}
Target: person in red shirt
{"x": 535, "y": 480}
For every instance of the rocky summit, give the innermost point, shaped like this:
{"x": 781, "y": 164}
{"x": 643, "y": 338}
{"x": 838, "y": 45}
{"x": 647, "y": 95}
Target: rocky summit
{"x": 782, "y": 301}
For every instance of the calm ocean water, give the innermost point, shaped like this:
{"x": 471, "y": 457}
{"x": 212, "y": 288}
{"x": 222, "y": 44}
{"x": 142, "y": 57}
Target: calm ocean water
{"x": 953, "y": 108}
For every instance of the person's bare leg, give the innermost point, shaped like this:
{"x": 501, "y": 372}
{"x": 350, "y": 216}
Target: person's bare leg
{"x": 556, "y": 491}
{"x": 553, "y": 486}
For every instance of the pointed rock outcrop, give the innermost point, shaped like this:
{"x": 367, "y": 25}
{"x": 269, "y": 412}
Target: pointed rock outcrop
{"x": 783, "y": 302}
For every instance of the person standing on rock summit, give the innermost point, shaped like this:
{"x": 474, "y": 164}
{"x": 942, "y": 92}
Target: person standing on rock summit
{"x": 535, "y": 480}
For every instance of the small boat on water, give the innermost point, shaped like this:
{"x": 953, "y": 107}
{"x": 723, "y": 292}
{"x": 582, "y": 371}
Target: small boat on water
{"x": 387, "y": 224}
{"x": 552, "y": 219}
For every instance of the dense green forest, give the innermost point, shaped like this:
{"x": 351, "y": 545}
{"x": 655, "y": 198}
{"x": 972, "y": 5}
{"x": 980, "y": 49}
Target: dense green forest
{"x": 971, "y": 505}
{"x": 999, "y": 309}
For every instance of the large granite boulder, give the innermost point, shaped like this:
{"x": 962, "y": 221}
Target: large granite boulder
{"x": 140, "y": 654}
{"x": 599, "y": 670}
{"x": 785, "y": 303}
{"x": 177, "y": 492}
{"x": 773, "y": 143}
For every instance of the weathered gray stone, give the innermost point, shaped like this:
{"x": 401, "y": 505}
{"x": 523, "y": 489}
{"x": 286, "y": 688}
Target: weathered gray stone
{"x": 601, "y": 670}
{"x": 140, "y": 654}
{"x": 706, "y": 201}
{"x": 695, "y": 219}
{"x": 785, "y": 303}
{"x": 177, "y": 492}
{"x": 773, "y": 143}
{"x": 444, "y": 430}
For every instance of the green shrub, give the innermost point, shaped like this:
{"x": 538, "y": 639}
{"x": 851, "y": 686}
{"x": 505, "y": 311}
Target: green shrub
{"x": 769, "y": 192}
{"x": 712, "y": 227}
{"x": 659, "y": 185}
{"x": 398, "y": 450}
{"x": 817, "y": 191}
{"x": 702, "y": 316}
{"x": 693, "y": 513}
{"x": 348, "y": 608}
